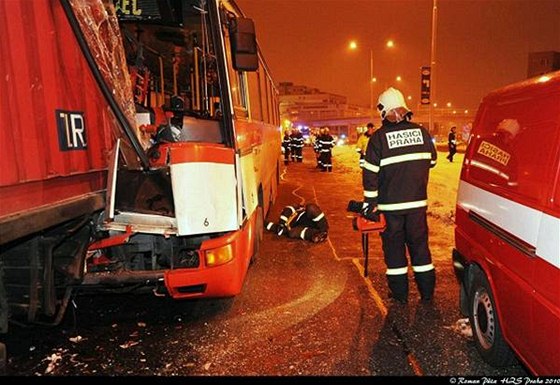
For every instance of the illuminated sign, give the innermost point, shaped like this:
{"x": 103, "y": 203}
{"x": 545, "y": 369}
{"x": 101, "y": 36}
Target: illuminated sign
{"x": 425, "y": 85}
{"x": 166, "y": 12}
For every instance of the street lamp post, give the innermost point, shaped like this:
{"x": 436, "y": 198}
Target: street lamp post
{"x": 371, "y": 80}
{"x": 433, "y": 67}
{"x": 353, "y": 46}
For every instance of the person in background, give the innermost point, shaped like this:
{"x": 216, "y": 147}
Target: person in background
{"x": 452, "y": 143}
{"x": 296, "y": 145}
{"x": 326, "y": 143}
{"x": 317, "y": 147}
{"x": 363, "y": 140}
{"x": 398, "y": 160}
{"x": 286, "y": 146}
{"x": 307, "y": 222}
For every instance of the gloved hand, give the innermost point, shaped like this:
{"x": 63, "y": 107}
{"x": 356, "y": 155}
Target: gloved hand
{"x": 369, "y": 211}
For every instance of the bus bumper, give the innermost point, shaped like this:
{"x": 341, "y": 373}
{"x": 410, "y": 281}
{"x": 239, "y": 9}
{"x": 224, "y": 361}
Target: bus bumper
{"x": 223, "y": 280}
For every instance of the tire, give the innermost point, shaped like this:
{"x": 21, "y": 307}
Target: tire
{"x": 487, "y": 332}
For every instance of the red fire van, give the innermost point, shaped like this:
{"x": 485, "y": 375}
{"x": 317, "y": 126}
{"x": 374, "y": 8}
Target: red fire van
{"x": 507, "y": 228}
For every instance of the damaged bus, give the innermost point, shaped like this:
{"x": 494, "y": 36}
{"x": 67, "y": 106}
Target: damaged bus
{"x": 149, "y": 156}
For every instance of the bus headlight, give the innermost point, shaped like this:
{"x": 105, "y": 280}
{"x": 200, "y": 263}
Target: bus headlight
{"x": 219, "y": 256}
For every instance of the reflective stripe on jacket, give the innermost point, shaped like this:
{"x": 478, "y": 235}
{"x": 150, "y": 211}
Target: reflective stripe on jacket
{"x": 396, "y": 168}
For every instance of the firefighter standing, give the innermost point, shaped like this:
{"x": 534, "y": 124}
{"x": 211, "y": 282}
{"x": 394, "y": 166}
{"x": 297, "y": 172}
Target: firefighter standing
{"x": 286, "y": 141}
{"x": 317, "y": 147}
{"x": 363, "y": 140}
{"x": 305, "y": 222}
{"x": 452, "y": 144}
{"x": 398, "y": 159}
{"x": 296, "y": 146}
{"x": 326, "y": 143}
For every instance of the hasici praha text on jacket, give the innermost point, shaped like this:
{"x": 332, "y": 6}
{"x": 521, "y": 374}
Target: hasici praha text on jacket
{"x": 396, "y": 168}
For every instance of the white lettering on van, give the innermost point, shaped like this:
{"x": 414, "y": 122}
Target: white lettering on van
{"x": 404, "y": 138}
{"x": 494, "y": 152}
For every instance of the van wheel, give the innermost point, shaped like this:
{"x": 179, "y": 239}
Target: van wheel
{"x": 483, "y": 317}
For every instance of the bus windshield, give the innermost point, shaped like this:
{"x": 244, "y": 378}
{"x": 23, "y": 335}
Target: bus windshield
{"x": 171, "y": 59}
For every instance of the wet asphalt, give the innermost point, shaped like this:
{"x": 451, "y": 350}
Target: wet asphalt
{"x": 305, "y": 310}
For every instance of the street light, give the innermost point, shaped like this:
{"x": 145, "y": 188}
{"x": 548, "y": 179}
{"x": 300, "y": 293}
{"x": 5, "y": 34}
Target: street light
{"x": 433, "y": 66}
{"x": 353, "y": 45}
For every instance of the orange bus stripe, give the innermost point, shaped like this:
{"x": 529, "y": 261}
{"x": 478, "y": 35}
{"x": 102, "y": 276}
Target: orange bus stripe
{"x": 193, "y": 152}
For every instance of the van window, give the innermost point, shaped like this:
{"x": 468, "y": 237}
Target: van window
{"x": 513, "y": 145}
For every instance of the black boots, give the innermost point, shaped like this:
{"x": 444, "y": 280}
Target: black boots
{"x": 276, "y": 228}
{"x": 398, "y": 286}
{"x": 426, "y": 282}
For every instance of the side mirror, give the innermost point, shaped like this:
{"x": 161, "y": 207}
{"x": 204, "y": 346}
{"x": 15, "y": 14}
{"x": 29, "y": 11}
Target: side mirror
{"x": 244, "y": 45}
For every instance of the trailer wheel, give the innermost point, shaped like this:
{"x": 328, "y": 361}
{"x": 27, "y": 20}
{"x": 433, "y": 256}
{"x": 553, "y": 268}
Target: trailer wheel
{"x": 487, "y": 332}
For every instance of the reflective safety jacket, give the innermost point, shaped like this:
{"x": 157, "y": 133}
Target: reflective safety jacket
{"x": 396, "y": 168}
{"x": 361, "y": 147}
{"x": 316, "y": 144}
{"x": 308, "y": 215}
{"x": 301, "y": 222}
{"x": 361, "y": 144}
{"x": 326, "y": 142}
{"x": 296, "y": 140}
{"x": 286, "y": 141}
{"x": 451, "y": 140}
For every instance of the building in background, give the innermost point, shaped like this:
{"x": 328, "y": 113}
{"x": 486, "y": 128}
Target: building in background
{"x": 309, "y": 109}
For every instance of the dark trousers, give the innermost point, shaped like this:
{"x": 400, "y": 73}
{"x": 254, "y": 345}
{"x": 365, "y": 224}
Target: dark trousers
{"x": 286, "y": 155}
{"x": 326, "y": 160}
{"x": 298, "y": 154}
{"x": 406, "y": 231}
{"x": 452, "y": 151}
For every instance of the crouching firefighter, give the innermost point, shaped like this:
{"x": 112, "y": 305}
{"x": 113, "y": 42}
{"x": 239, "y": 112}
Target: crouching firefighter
{"x": 298, "y": 221}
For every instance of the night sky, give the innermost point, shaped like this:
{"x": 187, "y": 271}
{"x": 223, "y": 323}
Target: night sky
{"x": 481, "y": 44}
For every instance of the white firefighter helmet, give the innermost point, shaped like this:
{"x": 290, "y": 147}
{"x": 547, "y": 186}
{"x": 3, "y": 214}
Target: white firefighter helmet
{"x": 391, "y": 99}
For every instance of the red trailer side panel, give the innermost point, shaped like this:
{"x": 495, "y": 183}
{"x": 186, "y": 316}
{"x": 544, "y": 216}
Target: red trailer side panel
{"x": 55, "y": 125}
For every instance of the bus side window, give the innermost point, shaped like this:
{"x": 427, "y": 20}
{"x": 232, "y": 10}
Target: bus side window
{"x": 255, "y": 95}
{"x": 270, "y": 99}
{"x": 264, "y": 91}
